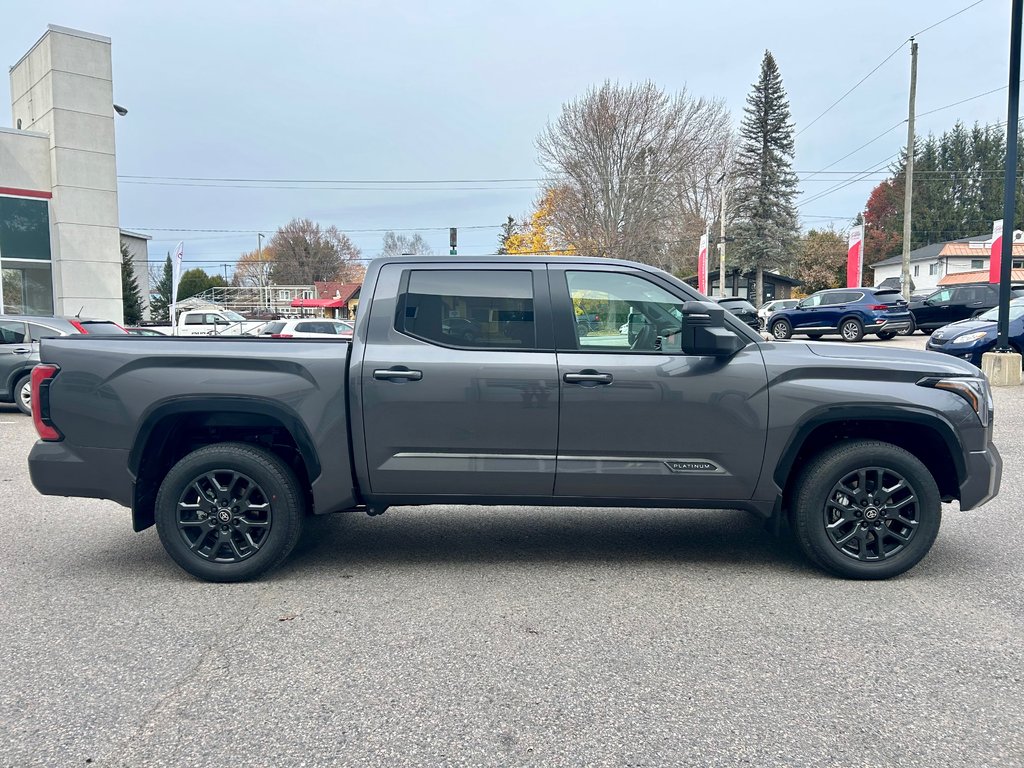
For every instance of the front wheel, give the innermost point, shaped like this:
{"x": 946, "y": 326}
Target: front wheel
{"x": 851, "y": 329}
{"x": 781, "y": 329}
{"x": 229, "y": 512}
{"x": 866, "y": 510}
{"x": 23, "y": 394}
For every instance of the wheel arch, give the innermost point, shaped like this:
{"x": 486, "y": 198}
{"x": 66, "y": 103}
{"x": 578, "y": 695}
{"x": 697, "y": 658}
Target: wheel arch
{"x": 926, "y": 434}
{"x": 171, "y": 430}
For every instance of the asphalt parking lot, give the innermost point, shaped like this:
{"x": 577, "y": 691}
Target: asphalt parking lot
{"x": 468, "y": 636}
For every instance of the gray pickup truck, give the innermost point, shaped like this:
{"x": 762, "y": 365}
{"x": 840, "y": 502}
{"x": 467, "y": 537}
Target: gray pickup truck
{"x": 468, "y": 381}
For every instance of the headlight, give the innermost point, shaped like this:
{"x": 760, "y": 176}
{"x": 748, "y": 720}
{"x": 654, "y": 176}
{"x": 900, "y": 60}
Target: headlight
{"x": 970, "y": 338}
{"x": 975, "y": 390}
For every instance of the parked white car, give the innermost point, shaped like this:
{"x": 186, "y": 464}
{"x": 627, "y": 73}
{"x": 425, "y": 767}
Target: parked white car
{"x": 768, "y": 307}
{"x": 309, "y": 328}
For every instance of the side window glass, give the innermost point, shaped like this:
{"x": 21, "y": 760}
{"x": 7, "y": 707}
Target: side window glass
{"x": 194, "y": 318}
{"x": 618, "y": 312}
{"x": 473, "y": 309}
{"x": 38, "y": 332}
{"x": 12, "y": 332}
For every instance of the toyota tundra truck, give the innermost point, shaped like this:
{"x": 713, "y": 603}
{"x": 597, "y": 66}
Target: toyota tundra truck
{"x": 228, "y": 445}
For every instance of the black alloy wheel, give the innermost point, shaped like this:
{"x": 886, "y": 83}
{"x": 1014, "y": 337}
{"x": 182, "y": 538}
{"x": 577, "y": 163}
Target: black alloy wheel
{"x": 866, "y": 510}
{"x": 229, "y": 512}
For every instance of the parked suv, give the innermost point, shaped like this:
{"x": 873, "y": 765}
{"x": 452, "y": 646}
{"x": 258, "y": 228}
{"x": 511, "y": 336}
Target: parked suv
{"x": 954, "y": 303}
{"x": 850, "y": 312}
{"x": 19, "y": 350}
{"x": 742, "y": 308}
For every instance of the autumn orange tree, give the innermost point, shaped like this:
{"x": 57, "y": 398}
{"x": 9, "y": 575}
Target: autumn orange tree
{"x": 538, "y": 233}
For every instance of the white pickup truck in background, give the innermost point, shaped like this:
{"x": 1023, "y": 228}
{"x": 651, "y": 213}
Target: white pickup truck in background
{"x": 209, "y": 322}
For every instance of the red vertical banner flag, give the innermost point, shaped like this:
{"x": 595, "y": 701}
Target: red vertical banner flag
{"x": 702, "y": 265}
{"x": 995, "y": 254}
{"x": 855, "y": 257}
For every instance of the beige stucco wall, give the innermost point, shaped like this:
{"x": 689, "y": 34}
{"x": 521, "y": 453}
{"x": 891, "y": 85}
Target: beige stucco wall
{"x": 63, "y": 89}
{"x": 24, "y": 160}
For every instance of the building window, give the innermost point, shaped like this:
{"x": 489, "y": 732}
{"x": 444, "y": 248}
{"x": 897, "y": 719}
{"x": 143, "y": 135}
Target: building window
{"x": 1018, "y": 263}
{"x": 933, "y": 269}
{"x": 977, "y": 263}
{"x": 26, "y": 287}
{"x": 917, "y": 270}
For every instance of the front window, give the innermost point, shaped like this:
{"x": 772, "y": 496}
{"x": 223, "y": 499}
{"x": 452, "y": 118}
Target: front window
{"x": 234, "y": 317}
{"x": 635, "y": 315}
{"x": 26, "y": 279}
{"x": 812, "y": 301}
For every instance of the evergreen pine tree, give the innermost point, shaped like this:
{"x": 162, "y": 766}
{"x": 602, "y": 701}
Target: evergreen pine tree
{"x": 508, "y": 229}
{"x": 766, "y": 227}
{"x": 131, "y": 296}
{"x": 161, "y": 305}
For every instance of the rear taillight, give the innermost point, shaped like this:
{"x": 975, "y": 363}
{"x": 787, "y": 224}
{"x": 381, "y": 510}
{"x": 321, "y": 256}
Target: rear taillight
{"x": 78, "y": 326}
{"x": 281, "y": 336}
{"x": 879, "y": 307}
{"x": 42, "y": 378}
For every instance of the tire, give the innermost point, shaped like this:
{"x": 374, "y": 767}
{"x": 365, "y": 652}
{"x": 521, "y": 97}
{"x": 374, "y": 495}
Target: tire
{"x": 909, "y": 331}
{"x": 832, "y": 510}
{"x": 851, "y": 329}
{"x": 886, "y": 335}
{"x": 23, "y": 394}
{"x": 814, "y": 336}
{"x": 781, "y": 329}
{"x": 246, "y": 523}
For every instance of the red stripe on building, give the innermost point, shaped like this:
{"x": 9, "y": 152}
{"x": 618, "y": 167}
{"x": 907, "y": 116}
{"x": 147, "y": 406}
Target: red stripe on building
{"x": 26, "y": 193}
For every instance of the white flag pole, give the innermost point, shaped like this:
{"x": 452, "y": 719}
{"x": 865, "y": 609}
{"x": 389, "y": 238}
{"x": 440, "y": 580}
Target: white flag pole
{"x": 179, "y": 255}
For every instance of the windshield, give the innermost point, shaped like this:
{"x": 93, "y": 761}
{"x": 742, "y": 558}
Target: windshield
{"x": 234, "y": 317}
{"x": 1016, "y": 312}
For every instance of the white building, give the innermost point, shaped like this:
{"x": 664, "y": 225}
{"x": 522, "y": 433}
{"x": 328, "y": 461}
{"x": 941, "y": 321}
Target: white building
{"x": 930, "y": 263}
{"x": 59, "y": 236}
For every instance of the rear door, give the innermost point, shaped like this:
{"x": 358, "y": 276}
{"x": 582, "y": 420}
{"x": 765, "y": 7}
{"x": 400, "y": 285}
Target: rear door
{"x": 644, "y": 419}
{"x": 15, "y": 353}
{"x": 446, "y": 415}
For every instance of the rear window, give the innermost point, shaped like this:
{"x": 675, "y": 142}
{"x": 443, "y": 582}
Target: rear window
{"x": 271, "y": 328}
{"x": 739, "y": 306}
{"x": 106, "y": 327}
{"x": 889, "y": 297}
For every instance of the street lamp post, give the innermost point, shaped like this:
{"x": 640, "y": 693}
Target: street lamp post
{"x": 259, "y": 264}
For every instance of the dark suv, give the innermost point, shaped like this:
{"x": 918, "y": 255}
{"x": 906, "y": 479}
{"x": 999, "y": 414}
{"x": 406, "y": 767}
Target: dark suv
{"x": 742, "y": 308}
{"x": 850, "y": 312}
{"x": 954, "y": 303}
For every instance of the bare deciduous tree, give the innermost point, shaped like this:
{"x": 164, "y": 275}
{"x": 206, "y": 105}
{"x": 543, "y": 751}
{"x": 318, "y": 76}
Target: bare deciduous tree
{"x": 396, "y": 245}
{"x": 634, "y": 168}
{"x": 305, "y": 253}
{"x": 253, "y": 269}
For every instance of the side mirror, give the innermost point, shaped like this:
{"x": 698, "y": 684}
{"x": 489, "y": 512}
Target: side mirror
{"x": 704, "y": 333}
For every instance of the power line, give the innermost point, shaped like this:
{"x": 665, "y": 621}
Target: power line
{"x": 951, "y": 16}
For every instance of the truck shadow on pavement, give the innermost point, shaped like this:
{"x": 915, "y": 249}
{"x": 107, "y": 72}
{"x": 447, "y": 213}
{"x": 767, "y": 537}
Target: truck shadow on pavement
{"x": 471, "y": 535}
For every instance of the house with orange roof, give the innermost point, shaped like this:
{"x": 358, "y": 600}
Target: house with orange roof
{"x": 954, "y": 262}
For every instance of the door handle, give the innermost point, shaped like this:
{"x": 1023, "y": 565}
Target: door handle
{"x": 394, "y": 374}
{"x": 587, "y": 377}
{"x": 22, "y": 350}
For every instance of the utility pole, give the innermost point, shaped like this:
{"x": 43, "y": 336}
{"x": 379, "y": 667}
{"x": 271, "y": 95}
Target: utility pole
{"x": 721, "y": 241}
{"x": 908, "y": 192}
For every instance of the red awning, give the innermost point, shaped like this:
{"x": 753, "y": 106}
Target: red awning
{"x": 321, "y": 303}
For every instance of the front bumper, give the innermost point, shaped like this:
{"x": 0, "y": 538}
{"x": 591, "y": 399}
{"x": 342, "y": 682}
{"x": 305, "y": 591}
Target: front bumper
{"x": 984, "y": 474}
{"x": 971, "y": 354}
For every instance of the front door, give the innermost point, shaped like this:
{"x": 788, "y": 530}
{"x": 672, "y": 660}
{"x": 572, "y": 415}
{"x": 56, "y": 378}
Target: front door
{"x": 459, "y": 382}
{"x": 15, "y": 350}
{"x": 644, "y": 419}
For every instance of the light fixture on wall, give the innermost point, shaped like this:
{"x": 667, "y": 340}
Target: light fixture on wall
{"x": 122, "y": 111}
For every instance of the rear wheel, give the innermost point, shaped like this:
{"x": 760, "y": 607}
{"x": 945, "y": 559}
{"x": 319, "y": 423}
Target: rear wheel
{"x": 851, "y": 329}
{"x": 23, "y": 394}
{"x": 866, "y": 510}
{"x": 909, "y": 331}
{"x": 886, "y": 335}
{"x": 229, "y": 512}
{"x": 781, "y": 329}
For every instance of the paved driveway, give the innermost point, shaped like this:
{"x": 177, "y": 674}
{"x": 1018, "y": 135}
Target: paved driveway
{"x": 511, "y": 636}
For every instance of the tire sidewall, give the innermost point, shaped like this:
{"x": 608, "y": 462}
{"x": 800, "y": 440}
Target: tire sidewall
{"x": 849, "y": 321}
{"x": 266, "y": 470}
{"x": 782, "y": 324}
{"x": 817, "y": 482}
{"x": 21, "y": 383}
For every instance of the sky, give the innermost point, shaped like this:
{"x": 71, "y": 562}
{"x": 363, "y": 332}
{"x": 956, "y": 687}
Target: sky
{"x": 457, "y": 92}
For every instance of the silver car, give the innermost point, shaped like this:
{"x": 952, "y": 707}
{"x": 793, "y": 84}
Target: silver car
{"x": 19, "y": 350}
